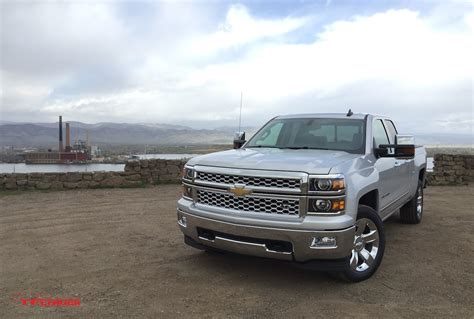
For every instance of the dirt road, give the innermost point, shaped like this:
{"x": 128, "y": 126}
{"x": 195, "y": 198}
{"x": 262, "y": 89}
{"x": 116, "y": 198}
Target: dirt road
{"x": 121, "y": 253}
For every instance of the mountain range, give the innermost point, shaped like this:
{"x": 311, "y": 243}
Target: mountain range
{"x": 45, "y": 135}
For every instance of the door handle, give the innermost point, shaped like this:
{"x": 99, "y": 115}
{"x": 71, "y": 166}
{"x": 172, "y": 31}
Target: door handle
{"x": 397, "y": 163}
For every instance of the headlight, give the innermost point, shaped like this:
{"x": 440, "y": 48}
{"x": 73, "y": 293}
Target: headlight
{"x": 326, "y": 184}
{"x": 188, "y": 173}
{"x": 323, "y": 184}
{"x": 326, "y": 205}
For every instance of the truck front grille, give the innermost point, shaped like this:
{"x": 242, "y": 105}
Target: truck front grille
{"x": 289, "y": 207}
{"x": 292, "y": 183}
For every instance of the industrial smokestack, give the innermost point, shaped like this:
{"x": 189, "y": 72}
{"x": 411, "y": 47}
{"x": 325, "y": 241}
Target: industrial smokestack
{"x": 68, "y": 138}
{"x": 61, "y": 148}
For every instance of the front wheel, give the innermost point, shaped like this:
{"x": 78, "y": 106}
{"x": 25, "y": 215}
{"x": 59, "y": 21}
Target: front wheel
{"x": 368, "y": 247}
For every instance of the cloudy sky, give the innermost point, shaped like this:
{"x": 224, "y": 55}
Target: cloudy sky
{"x": 187, "y": 62}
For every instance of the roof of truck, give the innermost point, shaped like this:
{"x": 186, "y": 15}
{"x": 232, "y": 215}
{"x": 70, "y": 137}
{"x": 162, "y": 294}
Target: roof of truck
{"x": 360, "y": 116}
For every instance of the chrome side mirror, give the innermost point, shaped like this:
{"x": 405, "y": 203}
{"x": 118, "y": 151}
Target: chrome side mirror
{"x": 404, "y": 139}
{"x": 239, "y": 139}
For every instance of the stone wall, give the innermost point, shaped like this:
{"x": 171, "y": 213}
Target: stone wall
{"x": 450, "y": 169}
{"x": 136, "y": 174}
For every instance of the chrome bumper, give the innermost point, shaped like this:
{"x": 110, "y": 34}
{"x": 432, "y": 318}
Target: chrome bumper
{"x": 233, "y": 237}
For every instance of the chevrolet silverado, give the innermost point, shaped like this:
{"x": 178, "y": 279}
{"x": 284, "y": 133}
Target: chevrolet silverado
{"x": 313, "y": 189}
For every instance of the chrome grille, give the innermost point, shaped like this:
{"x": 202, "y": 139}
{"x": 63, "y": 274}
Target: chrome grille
{"x": 249, "y": 204}
{"x": 293, "y": 183}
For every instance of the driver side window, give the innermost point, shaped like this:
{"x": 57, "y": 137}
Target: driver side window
{"x": 270, "y": 136}
{"x": 380, "y": 135}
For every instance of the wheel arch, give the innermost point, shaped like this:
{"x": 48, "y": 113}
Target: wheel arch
{"x": 371, "y": 199}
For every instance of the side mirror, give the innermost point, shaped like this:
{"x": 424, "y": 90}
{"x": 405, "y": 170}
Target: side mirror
{"x": 404, "y": 147}
{"x": 239, "y": 140}
{"x": 404, "y": 139}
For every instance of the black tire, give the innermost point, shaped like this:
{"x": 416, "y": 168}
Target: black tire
{"x": 356, "y": 271}
{"x": 412, "y": 212}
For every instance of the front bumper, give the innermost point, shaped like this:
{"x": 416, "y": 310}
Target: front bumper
{"x": 257, "y": 240}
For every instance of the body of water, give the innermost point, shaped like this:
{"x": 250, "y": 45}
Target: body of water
{"x": 59, "y": 168}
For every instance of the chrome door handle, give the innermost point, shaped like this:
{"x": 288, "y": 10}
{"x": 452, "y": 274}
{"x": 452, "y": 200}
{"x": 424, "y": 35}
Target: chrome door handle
{"x": 397, "y": 163}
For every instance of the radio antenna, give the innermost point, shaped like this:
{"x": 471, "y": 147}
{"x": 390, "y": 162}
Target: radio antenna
{"x": 240, "y": 116}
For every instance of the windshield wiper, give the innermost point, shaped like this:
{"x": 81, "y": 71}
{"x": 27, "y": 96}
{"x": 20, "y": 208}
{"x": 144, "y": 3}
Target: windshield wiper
{"x": 304, "y": 148}
{"x": 261, "y": 146}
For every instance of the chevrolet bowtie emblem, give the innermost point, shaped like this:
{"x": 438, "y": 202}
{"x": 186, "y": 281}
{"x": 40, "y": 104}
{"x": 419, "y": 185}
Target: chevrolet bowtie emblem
{"x": 239, "y": 190}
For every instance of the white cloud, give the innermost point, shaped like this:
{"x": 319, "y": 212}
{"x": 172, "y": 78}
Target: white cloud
{"x": 395, "y": 62}
{"x": 393, "y": 46}
{"x": 241, "y": 28}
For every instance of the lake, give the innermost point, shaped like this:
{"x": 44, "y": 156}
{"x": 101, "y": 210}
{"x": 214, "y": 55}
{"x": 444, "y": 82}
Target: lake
{"x": 55, "y": 168}
{"x": 58, "y": 168}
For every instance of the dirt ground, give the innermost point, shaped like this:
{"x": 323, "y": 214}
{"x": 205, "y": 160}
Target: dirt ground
{"x": 121, "y": 253}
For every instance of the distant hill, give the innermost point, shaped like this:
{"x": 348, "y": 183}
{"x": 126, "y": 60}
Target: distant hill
{"x": 46, "y": 134}
{"x": 441, "y": 140}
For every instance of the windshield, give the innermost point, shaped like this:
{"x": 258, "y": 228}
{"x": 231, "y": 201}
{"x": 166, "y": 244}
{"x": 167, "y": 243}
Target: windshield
{"x": 312, "y": 133}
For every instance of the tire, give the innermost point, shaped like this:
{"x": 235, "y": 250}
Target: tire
{"x": 368, "y": 248}
{"x": 412, "y": 212}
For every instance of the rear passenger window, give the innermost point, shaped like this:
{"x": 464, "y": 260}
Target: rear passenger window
{"x": 391, "y": 130}
{"x": 380, "y": 136}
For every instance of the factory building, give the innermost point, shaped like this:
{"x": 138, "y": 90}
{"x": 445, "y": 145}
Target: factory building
{"x": 78, "y": 153}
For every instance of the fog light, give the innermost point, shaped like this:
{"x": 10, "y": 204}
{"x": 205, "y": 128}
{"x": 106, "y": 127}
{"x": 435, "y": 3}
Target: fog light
{"x": 323, "y": 242}
{"x": 182, "y": 220}
{"x": 322, "y": 205}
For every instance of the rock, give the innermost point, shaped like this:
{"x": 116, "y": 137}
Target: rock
{"x": 129, "y": 167}
{"x": 35, "y": 176}
{"x": 50, "y": 177}
{"x": 98, "y": 176}
{"x": 172, "y": 169}
{"x": 135, "y": 177}
{"x": 57, "y": 185}
{"x": 83, "y": 184}
{"x": 145, "y": 172}
{"x": 73, "y": 177}
{"x": 70, "y": 185}
{"x": 113, "y": 181}
{"x": 10, "y": 185}
{"x": 22, "y": 182}
{"x": 43, "y": 185}
{"x": 132, "y": 172}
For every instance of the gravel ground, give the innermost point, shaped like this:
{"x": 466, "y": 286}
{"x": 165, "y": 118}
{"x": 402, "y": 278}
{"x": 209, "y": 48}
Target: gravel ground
{"x": 121, "y": 253}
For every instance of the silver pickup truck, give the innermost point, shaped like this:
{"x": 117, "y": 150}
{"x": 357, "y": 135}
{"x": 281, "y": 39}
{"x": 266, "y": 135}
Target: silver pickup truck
{"x": 313, "y": 189}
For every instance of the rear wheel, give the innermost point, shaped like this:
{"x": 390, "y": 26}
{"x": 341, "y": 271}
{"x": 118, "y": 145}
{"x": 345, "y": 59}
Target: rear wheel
{"x": 368, "y": 246}
{"x": 412, "y": 212}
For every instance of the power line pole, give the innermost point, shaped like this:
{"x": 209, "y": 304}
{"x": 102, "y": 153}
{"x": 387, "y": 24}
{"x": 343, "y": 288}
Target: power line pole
{"x": 240, "y": 116}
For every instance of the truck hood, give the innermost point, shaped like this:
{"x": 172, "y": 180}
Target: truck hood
{"x": 308, "y": 161}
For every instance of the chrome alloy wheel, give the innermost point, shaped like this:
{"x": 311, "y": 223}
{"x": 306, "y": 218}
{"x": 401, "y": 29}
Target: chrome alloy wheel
{"x": 419, "y": 202}
{"x": 366, "y": 245}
